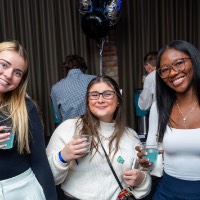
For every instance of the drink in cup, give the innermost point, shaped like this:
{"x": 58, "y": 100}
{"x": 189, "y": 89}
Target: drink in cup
{"x": 151, "y": 149}
{"x": 89, "y": 139}
{"x": 9, "y": 143}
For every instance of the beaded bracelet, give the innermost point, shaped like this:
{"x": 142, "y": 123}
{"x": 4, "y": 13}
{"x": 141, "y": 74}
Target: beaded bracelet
{"x": 61, "y": 158}
{"x": 145, "y": 177}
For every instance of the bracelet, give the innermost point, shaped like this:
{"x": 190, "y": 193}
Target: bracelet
{"x": 145, "y": 177}
{"x": 61, "y": 158}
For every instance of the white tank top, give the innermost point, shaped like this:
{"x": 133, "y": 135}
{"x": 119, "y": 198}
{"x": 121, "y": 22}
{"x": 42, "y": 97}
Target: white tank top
{"x": 182, "y": 153}
{"x": 181, "y": 149}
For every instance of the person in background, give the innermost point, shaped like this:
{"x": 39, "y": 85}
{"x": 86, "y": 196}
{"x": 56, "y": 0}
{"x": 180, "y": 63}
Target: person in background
{"x": 149, "y": 63}
{"x": 175, "y": 121}
{"x": 147, "y": 95}
{"x": 24, "y": 169}
{"x": 68, "y": 95}
{"x": 103, "y": 120}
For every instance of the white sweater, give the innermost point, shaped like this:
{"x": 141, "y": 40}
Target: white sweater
{"x": 92, "y": 179}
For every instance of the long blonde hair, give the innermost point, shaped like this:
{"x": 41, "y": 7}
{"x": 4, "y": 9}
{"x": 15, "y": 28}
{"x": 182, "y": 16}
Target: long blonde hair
{"x": 14, "y": 101}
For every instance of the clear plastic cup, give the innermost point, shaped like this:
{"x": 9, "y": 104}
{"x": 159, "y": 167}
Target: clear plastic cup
{"x": 9, "y": 143}
{"x": 151, "y": 149}
{"x": 89, "y": 139}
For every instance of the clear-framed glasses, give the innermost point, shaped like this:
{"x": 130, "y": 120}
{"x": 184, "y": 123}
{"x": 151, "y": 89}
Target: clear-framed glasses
{"x": 178, "y": 65}
{"x": 107, "y": 94}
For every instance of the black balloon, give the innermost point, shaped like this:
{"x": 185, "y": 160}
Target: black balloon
{"x": 95, "y": 25}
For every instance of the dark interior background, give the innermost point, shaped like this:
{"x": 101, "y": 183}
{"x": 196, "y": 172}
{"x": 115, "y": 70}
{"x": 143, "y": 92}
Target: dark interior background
{"x": 51, "y": 29}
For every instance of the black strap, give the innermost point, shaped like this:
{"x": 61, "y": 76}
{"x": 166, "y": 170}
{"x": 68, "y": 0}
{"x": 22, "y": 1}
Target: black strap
{"x": 111, "y": 167}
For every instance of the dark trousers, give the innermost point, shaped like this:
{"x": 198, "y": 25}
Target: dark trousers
{"x": 155, "y": 181}
{"x": 61, "y": 195}
{"x": 171, "y": 188}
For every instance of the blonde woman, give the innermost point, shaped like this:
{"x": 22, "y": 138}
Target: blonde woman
{"x": 24, "y": 170}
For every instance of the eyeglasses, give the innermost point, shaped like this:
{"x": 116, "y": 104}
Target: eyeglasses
{"x": 107, "y": 94}
{"x": 178, "y": 66}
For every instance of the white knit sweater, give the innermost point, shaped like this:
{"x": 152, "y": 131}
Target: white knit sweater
{"x": 92, "y": 179}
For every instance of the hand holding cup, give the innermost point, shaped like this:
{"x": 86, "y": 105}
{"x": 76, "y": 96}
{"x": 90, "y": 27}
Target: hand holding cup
{"x": 87, "y": 142}
{"x": 77, "y": 148}
{"x": 6, "y": 137}
{"x": 145, "y": 155}
{"x": 144, "y": 162}
{"x": 151, "y": 150}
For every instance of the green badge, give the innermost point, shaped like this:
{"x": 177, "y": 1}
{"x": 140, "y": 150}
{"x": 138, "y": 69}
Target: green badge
{"x": 120, "y": 160}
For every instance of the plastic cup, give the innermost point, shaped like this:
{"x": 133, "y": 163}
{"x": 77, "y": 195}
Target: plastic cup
{"x": 89, "y": 139}
{"x": 9, "y": 143}
{"x": 151, "y": 149}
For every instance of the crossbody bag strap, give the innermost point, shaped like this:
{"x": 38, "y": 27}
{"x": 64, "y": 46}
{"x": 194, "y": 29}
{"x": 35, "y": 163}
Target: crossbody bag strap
{"x": 111, "y": 167}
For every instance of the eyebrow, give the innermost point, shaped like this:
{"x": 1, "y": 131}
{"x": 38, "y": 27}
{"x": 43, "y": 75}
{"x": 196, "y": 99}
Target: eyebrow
{"x": 11, "y": 65}
{"x": 5, "y": 61}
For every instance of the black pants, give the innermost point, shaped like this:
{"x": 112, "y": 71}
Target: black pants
{"x": 61, "y": 195}
{"x": 155, "y": 181}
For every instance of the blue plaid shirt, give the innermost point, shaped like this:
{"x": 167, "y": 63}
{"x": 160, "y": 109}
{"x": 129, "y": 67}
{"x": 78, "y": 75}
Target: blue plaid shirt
{"x": 68, "y": 95}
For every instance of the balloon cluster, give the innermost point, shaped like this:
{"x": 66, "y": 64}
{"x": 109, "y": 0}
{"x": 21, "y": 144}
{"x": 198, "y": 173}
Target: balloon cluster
{"x": 99, "y": 16}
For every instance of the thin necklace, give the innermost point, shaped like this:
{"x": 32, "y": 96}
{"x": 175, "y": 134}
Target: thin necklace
{"x": 105, "y": 138}
{"x": 186, "y": 116}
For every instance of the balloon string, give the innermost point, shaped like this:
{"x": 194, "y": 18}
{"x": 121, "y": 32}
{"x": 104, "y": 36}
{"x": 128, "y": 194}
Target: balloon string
{"x": 101, "y": 67}
{"x": 100, "y": 45}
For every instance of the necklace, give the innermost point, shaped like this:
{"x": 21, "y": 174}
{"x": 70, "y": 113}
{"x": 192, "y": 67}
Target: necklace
{"x": 185, "y": 116}
{"x": 105, "y": 138}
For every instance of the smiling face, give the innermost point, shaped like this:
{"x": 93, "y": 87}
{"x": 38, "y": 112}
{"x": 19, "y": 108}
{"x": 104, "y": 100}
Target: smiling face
{"x": 179, "y": 81}
{"x": 102, "y": 108}
{"x": 12, "y": 68}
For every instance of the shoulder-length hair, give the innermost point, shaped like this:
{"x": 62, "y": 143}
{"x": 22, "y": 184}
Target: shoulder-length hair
{"x": 166, "y": 96}
{"x": 91, "y": 124}
{"x": 14, "y": 101}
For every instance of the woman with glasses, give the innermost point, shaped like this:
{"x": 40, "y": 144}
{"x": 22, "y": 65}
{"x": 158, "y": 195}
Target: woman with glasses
{"x": 175, "y": 121}
{"x": 87, "y": 176}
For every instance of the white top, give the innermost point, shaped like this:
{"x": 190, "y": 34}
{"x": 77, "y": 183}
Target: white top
{"x": 92, "y": 177}
{"x": 181, "y": 149}
{"x": 148, "y": 93}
